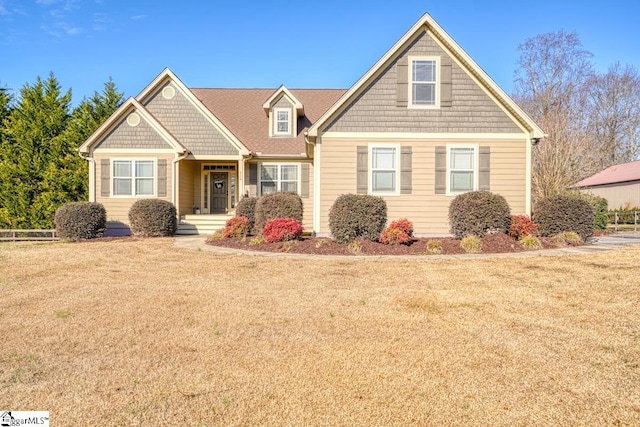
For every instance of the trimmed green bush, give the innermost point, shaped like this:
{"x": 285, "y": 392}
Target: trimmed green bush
{"x": 80, "y": 220}
{"x": 600, "y": 207}
{"x": 357, "y": 215}
{"x": 556, "y": 214}
{"x": 153, "y": 218}
{"x": 479, "y": 213}
{"x": 277, "y": 205}
{"x": 247, "y": 208}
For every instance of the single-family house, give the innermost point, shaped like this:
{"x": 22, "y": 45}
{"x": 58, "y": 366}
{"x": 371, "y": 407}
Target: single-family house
{"x": 423, "y": 124}
{"x": 619, "y": 184}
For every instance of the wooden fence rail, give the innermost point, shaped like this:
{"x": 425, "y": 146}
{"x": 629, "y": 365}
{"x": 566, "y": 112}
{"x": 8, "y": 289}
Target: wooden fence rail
{"x": 625, "y": 217}
{"x": 24, "y": 235}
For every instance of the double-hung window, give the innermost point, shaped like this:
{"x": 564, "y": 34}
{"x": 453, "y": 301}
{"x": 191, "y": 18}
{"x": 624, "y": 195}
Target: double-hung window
{"x": 134, "y": 178}
{"x": 423, "y": 79}
{"x": 279, "y": 177}
{"x": 384, "y": 169}
{"x": 282, "y": 121}
{"x": 462, "y": 169}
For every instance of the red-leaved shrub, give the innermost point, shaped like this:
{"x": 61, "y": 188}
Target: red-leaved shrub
{"x": 282, "y": 229}
{"x": 397, "y": 233}
{"x": 236, "y": 227}
{"x": 522, "y": 225}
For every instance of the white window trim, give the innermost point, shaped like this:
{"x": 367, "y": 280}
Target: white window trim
{"x": 476, "y": 167}
{"x": 289, "y": 131}
{"x": 278, "y": 180}
{"x": 133, "y": 180}
{"x": 370, "y": 170}
{"x": 410, "y": 103}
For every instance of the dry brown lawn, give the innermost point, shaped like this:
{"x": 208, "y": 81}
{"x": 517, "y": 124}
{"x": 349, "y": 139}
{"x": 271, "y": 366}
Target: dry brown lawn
{"x": 140, "y": 332}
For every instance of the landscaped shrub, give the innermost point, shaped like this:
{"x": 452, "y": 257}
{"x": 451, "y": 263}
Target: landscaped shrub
{"x": 282, "y": 229}
{"x": 153, "y": 218}
{"x": 236, "y": 227}
{"x": 434, "y": 247}
{"x": 471, "y": 244}
{"x": 522, "y": 225}
{"x": 247, "y": 208}
{"x": 80, "y": 220}
{"x": 357, "y": 215}
{"x": 398, "y": 232}
{"x": 479, "y": 213}
{"x": 529, "y": 241}
{"x": 277, "y": 205}
{"x": 567, "y": 238}
{"x": 600, "y": 207}
{"x": 556, "y": 214}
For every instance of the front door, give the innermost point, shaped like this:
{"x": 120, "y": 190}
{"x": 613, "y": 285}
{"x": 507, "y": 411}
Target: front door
{"x": 219, "y": 192}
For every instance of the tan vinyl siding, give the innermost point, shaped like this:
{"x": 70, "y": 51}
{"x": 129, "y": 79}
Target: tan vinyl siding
{"x": 376, "y": 109}
{"x": 427, "y": 210}
{"x": 187, "y": 171}
{"x": 307, "y": 202}
{"x": 118, "y": 207}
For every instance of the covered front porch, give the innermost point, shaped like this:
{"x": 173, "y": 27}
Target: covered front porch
{"x": 207, "y": 193}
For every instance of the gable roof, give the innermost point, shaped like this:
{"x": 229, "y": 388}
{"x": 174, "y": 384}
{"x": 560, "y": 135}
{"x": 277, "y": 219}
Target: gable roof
{"x": 282, "y": 90}
{"x": 128, "y": 106}
{"x": 241, "y": 111}
{"x": 613, "y": 174}
{"x": 166, "y": 75}
{"x": 426, "y": 22}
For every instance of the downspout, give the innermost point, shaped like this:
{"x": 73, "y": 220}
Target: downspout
{"x": 174, "y": 163}
{"x": 92, "y": 174}
{"x": 316, "y": 183}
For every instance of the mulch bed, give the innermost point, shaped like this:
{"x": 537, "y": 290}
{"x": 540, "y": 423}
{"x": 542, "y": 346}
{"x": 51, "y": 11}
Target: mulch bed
{"x": 496, "y": 243}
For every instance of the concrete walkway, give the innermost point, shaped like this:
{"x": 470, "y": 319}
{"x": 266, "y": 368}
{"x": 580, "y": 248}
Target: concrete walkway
{"x": 600, "y": 244}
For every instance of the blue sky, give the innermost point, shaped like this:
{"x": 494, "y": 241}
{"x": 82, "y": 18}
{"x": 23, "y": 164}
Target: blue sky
{"x": 319, "y": 44}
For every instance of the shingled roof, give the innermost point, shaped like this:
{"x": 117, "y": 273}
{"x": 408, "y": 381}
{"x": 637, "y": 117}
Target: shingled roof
{"x": 614, "y": 174}
{"x": 240, "y": 110}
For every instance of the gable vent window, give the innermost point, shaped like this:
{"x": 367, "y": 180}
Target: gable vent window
{"x": 423, "y": 78}
{"x": 282, "y": 125}
{"x": 168, "y": 92}
{"x": 133, "y": 119}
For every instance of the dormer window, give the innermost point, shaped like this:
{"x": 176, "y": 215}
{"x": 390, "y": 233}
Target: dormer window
{"x": 282, "y": 125}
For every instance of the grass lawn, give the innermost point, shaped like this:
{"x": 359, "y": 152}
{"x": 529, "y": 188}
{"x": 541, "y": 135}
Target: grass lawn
{"x": 139, "y": 332}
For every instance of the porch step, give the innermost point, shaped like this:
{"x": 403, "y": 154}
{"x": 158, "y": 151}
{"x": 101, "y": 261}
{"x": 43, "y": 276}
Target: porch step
{"x": 201, "y": 224}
